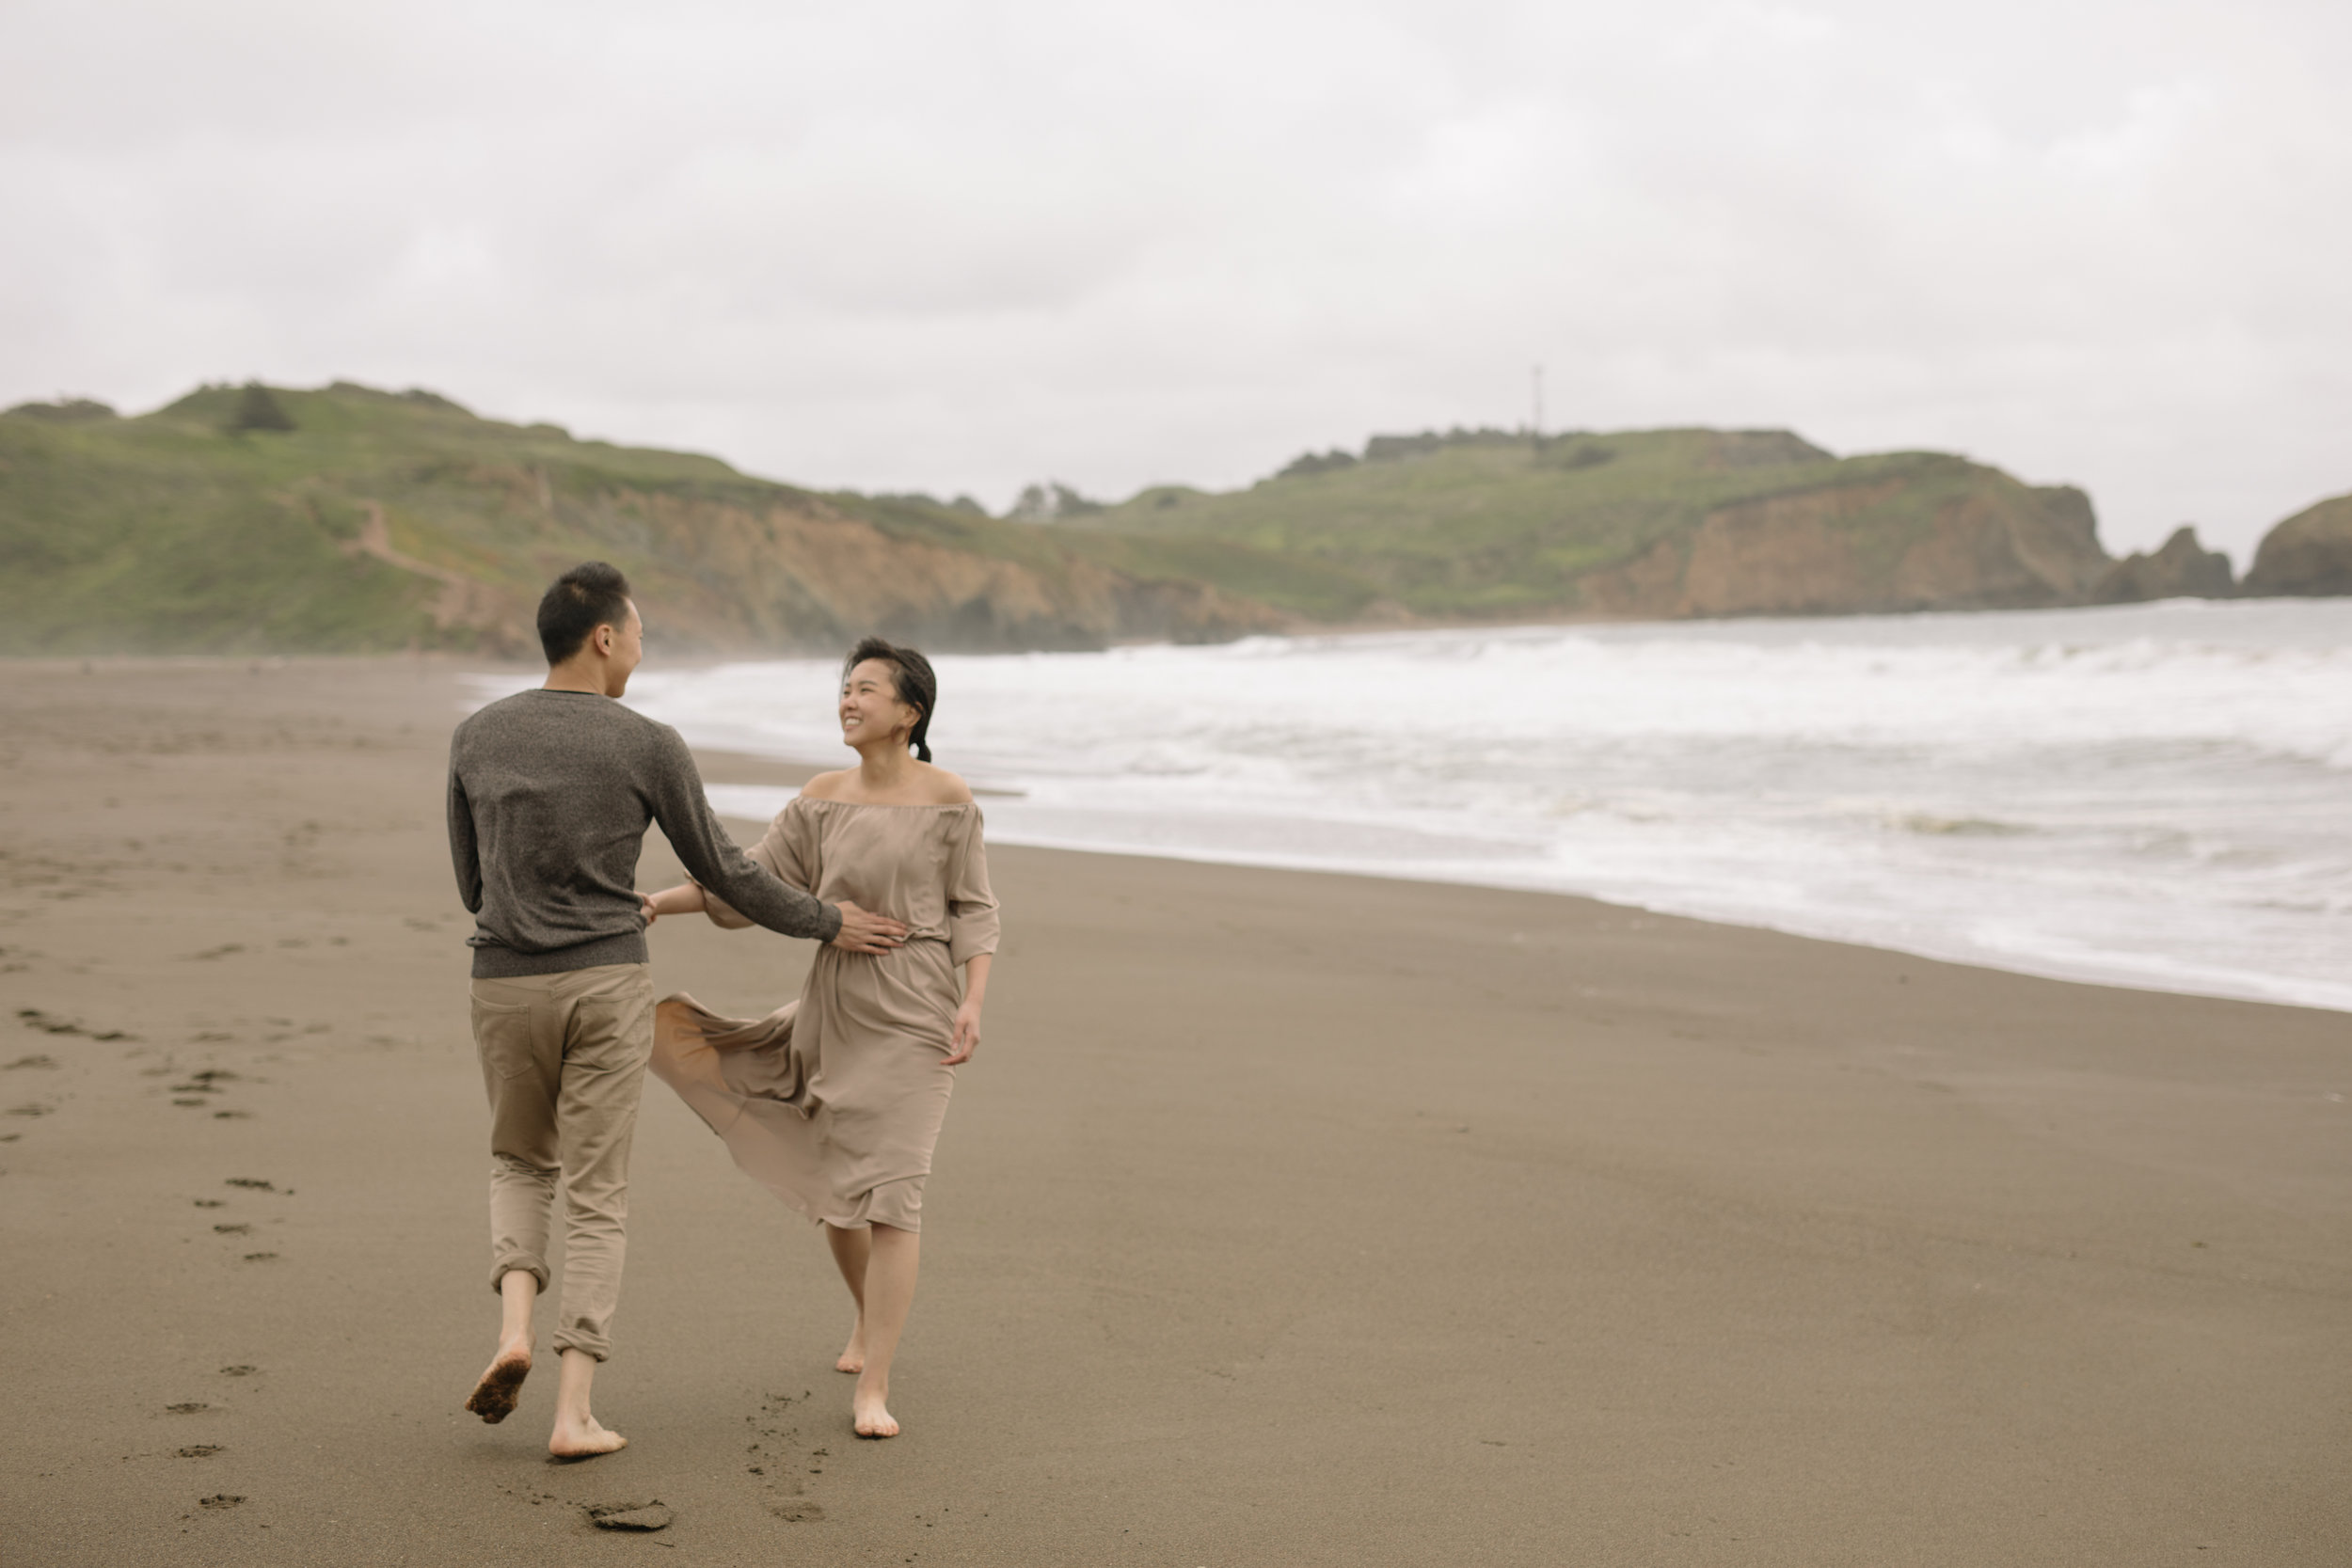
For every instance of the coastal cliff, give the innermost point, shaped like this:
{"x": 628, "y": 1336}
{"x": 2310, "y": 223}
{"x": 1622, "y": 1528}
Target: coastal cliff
{"x": 1484, "y": 524}
{"x": 2309, "y": 554}
{"x": 348, "y": 519}
{"x": 1924, "y": 540}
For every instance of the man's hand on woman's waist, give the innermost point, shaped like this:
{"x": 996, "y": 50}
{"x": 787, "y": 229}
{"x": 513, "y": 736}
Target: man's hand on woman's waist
{"x": 864, "y": 932}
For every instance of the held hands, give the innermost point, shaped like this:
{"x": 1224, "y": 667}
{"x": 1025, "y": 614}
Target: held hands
{"x": 966, "y": 1039}
{"x": 864, "y": 932}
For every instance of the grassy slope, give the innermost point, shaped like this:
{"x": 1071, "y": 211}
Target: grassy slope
{"x": 1497, "y": 529}
{"x": 165, "y": 535}
{"x": 169, "y": 533}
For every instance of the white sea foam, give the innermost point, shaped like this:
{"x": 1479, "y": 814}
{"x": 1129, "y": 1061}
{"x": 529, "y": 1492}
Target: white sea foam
{"x": 2156, "y": 795}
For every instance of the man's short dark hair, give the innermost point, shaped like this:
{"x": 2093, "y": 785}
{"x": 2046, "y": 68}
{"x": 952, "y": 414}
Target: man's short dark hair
{"x": 591, "y": 594}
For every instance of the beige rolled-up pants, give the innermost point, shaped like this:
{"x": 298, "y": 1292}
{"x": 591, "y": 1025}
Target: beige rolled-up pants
{"x": 564, "y": 1059}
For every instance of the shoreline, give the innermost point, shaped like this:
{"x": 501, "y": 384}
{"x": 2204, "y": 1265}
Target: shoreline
{"x": 1303, "y": 1218}
{"x": 1376, "y": 627}
{"x": 732, "y": 766}
{"x": 725, "y": 768}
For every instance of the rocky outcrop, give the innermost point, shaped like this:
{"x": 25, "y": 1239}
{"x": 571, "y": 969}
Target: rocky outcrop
{"x": 2182, "y": 569}
{"x": 2309, "y": 555}
{"x": 1939, "y": 535}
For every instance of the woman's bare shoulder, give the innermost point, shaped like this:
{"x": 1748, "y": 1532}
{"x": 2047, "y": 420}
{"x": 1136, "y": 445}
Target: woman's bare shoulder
{"x": 943, "y": 789}
{"x": 825, "y": 787}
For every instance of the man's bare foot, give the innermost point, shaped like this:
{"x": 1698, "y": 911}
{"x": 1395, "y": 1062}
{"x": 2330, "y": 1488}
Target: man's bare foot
{"x": 493, "y": 1397}
{"x": 869, "y": 1416}
{"x": 854, "y": 1355}
{"x": 583, "y": 1439}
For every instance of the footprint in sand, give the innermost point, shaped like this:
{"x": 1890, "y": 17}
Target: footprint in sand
{"x": 233, "y": 1229}
{"x": 189, "y": 1409}
{"x": 239, "y": 1371}
{"x": 201, "y": 1450}
{"x": 260, "y": 1257}
{"x": 652, "y": 1514}
{"x": 219, "y": 1499}
{"x": 34, "y": 1061}
{"x": 770, "y": 1458}
{"x": 33, "y": 1018}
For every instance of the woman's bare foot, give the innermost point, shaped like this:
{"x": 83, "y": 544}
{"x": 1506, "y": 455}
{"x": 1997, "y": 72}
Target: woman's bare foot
{"x": 583, "y": 1439}
{"x": 869, "y": 1415}
{"x": 853, "y": 1353}
{"x": 493, "y": 1397}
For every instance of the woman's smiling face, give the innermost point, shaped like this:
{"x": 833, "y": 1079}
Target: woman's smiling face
{"x": 870, "y": 708}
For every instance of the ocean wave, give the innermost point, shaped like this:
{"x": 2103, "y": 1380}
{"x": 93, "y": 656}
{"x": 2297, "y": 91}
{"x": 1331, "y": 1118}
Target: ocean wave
{"x": 2149, "y": 795}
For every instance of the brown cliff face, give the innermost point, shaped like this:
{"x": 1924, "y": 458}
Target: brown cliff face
{"x": 2182, "y": 569}
{"x": 1949, "y": 537}
{"x": 798, "y": 574}
{"x": 2308, "y": 555}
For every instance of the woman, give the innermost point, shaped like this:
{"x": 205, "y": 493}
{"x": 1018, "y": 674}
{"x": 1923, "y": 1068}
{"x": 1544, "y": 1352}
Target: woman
{"x": 835, "y": 1100}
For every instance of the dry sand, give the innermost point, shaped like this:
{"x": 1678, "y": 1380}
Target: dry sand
{"x": 1282, "y": 1219}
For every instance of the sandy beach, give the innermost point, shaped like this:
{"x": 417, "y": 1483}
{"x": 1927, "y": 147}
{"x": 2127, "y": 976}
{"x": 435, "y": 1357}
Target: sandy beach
{"x": 1281, "y": 1219}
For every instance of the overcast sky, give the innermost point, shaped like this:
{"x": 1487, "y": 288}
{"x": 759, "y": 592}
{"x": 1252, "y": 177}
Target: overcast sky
{"x": 958, "y": 247}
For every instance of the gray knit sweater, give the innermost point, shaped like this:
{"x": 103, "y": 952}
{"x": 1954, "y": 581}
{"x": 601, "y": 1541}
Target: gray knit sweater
{"x": 550, "y": 795}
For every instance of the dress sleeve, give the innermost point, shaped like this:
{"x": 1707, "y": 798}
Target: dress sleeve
{"x": 972, "y": 922}
{"x": 781, "y": 853}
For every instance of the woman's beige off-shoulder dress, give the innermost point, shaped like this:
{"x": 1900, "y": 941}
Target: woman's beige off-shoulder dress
{"x": 835, "y": 1100}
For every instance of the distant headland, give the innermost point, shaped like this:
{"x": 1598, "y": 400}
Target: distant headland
{"x": 346, "y": 518}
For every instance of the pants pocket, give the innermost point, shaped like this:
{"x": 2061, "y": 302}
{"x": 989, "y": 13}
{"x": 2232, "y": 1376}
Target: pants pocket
{"x": 611, "y": 1033}
{"x": 504, "y": 1032}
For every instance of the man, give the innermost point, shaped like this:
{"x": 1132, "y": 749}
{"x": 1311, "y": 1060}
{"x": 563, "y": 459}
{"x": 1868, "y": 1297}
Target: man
{"x": 550, "y": 795}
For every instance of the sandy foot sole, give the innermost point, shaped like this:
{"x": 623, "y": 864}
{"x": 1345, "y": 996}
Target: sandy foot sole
{"x": 493, "y": 1397}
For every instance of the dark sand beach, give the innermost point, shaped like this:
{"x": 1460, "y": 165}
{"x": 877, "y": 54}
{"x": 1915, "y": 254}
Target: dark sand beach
{"x": 1283, "y": 1218}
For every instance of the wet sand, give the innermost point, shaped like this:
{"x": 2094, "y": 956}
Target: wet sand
{"x": 1283, "y": 1218}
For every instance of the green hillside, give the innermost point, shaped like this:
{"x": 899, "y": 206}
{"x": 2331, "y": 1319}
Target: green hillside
{"x": 168, "y": 533}
{"x": 1489, "y": 525}
{"x": 349, "y": 519}
{"x": 251, "y": 519}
